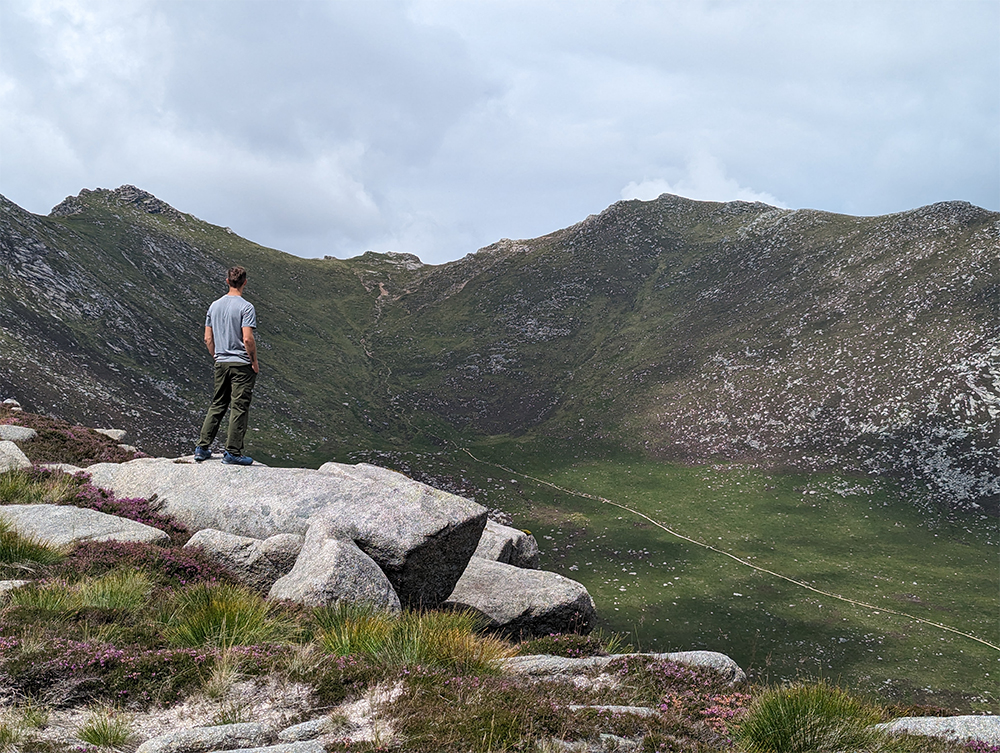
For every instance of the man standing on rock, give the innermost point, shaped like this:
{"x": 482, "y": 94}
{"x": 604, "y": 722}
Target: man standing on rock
{"x": 229, "y": 336}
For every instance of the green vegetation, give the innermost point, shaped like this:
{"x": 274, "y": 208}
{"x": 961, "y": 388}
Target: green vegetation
{"x": 221, "y": 615}
{"x": 444, "y": 640}
{"x": 860, "y": 539}
{"x": 106, "y": 729}
{"x": 818, "y": 718}
{"x": 433, "y": 677}
{"x": 22, "y": 555}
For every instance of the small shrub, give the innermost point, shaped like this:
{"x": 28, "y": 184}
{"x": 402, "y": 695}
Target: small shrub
{"x": 221, "y": 615}
{"x": 563, "y": 644}
{"x": 105, "y": 729}
{"x": 38, "y": 485}
{"x": 169, "y": 567}
{"x": 808, "y": 719}
{"x": 23, "y": 554}
{"x": 59, "y": 441}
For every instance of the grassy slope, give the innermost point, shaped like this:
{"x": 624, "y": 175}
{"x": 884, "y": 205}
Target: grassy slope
{"x": 845, "y": 535}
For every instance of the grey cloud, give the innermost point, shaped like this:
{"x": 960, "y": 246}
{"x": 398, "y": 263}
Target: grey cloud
{"x": 438, "y": 126}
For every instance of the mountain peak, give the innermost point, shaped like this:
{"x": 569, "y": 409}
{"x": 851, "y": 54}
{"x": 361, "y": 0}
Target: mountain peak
{"x": 122, "y": 196}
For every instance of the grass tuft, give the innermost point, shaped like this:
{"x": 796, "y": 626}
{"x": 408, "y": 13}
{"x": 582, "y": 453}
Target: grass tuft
{"x": 448, "y": 640}
{"x": 813, "y": 718}
{"x": 105, "y": 729}
{"x": 123, "y": 590}
{"x": 20, "y": 555}
{"x": 221, "y": 615}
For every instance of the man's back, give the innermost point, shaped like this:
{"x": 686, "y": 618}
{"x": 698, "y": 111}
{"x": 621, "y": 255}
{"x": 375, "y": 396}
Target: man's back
{"x": 227, "y": 317}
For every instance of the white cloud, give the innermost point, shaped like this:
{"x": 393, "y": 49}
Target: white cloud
{"x": 704, "y": 180}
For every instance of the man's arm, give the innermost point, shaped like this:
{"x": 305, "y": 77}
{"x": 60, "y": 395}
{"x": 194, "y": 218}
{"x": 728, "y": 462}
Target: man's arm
{"x": 251, "y": 345}
{"x": 210, "y": 341}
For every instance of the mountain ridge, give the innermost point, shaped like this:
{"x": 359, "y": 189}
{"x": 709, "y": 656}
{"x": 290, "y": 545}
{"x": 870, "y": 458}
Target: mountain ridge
{"x": 680, "y": 329}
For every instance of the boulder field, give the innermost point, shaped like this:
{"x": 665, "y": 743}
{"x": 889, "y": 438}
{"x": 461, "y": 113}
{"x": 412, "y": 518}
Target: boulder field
{"x": 343, "y": 532}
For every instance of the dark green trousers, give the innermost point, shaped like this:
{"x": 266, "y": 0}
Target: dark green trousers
{"x": 233, "y": 391}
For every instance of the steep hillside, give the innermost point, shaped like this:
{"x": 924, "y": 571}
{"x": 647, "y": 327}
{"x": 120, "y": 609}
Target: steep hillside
{"x": 685, "y": 330}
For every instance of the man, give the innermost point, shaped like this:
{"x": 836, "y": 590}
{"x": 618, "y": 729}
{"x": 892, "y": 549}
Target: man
{"x": 229, "y": 336}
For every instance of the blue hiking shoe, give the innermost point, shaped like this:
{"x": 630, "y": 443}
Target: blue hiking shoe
{"x": 230, "y": 459}
{"x": 202, "y": 453}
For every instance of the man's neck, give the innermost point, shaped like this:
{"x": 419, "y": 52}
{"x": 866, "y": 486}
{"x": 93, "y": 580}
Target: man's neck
{"x": 235, "y": 291}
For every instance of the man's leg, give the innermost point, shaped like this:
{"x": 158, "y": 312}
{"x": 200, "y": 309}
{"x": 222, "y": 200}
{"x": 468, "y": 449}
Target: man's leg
{"x": 243, "y": 379}
{"x": 217, "y": 409}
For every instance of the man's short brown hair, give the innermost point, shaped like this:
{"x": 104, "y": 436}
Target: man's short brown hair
{"x": 236, "y": 277}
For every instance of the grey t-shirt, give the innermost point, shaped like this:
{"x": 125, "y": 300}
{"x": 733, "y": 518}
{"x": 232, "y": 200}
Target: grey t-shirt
{"x": 227, "y": 317}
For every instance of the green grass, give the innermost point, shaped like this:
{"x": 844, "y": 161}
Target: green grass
{"x": 861, "y": 539}
{"x": 124, "y": 590}
{"x": 20, "y": 556}
{"x": 105, "y": 729}
{"x": 816, "y": 718}
{"x": 447, "y": 640}
{"x": 221, "y": 615}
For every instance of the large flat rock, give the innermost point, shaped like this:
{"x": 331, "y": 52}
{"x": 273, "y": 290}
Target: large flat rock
{"x": 421, "y": 537}
{"x": 61, "y": 525}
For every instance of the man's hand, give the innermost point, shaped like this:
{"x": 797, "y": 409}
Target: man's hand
{"x": 251, "y": 345}
{"x": 210, "y": 341}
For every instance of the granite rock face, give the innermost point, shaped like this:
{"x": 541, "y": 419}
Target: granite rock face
{"x": 544, "y": 665}
{"x": 63, "y": 525}
{"x": 521, "y": 602}
{"x": 330, "y": 570}
{"x": 958, "y": 728}
{"x": 421, "y": 537}
{"x": 255, "y": 563}
{"x": 13, "y": 433}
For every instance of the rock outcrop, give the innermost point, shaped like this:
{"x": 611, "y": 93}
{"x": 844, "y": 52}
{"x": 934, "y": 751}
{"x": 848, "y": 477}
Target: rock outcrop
{"x": 957, "y": 728}
{"x": 11, "y": 457}
{"x": 332, "y": 569}
{"x": 544, "y": 665}
{"x": 421, "y": 538}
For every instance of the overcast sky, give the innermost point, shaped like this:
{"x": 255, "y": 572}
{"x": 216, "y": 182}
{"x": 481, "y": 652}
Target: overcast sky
{"x": 436, "y": 127}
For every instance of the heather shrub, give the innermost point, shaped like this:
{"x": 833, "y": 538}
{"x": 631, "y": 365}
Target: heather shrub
{"x": 168, "y": 567}
{"x": 574, "y": 645}
{"x": 63, "y": 672}
{"x": 59, "y": 441}
{"x": 37, "y": 485}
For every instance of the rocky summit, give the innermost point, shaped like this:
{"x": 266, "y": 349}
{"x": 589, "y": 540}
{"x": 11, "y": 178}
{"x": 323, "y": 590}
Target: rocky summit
{"x": 680, "y": 329}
